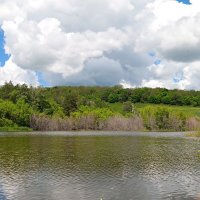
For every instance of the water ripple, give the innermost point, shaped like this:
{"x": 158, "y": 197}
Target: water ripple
{"x": 98, "y": 167}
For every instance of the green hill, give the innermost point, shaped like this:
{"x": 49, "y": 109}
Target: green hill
{"x": 98, "y": 108}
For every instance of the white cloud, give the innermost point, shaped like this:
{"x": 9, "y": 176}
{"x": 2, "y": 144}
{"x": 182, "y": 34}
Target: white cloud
{"x": 44, "y": 46}
{"x": 173, "y": 75}
{"x": 12, "y": 72}
{"x": 152, "y": 84}
{"x": 84, "y": 42}
{"x": 97, "y": 71}
{"x": 118, "y": 5}
{"x": 173, "y": 31}
{"x": 126, "y": 84}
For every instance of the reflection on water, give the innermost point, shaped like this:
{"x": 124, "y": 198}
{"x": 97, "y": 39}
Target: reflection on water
{"x": 98, "y": 167}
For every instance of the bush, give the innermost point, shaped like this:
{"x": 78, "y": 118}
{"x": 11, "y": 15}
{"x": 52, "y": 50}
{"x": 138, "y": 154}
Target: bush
{"x": 161, "y": 118}
{"x": 6, "y": 123}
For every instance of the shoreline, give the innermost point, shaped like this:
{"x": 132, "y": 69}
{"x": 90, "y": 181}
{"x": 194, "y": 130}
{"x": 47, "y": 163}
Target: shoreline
{"x": 97, "y": 133}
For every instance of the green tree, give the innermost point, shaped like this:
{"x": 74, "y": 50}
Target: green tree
{"x": 70, "y": 103}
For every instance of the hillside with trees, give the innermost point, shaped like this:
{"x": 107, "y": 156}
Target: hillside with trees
{"x": 98, "y": 108}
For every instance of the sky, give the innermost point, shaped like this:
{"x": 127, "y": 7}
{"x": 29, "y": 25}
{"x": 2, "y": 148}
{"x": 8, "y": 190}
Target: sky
{"x": 135, "y": 43}
{"x": 3, "y": 56}
{"x": 184, "y": 1}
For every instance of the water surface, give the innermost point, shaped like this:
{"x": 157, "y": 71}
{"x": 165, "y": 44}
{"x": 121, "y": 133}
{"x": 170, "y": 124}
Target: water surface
{"x": 60, "y": 166}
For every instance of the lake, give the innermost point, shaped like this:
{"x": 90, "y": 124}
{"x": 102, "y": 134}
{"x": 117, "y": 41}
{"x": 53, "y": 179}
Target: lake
{"x": 99, "y": 166}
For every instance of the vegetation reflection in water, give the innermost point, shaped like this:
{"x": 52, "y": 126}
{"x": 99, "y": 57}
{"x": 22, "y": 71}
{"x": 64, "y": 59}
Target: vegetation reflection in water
{"x": 98, "y": 167}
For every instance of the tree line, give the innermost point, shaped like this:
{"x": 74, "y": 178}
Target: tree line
{"x": 78, "y": 108}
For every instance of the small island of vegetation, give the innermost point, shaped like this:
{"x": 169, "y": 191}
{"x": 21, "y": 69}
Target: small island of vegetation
{"x": 66, "y": 108}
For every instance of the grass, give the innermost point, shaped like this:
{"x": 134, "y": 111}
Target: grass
{"x": 187, "y": 110}
{"x": 116, "y": 107}
{"x": 15, "y": 129}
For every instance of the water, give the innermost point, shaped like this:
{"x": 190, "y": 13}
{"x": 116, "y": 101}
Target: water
{"x": 60, "y": 166}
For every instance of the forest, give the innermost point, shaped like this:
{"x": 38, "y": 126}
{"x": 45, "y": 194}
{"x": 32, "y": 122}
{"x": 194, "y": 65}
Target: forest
{"x": 66, "y": 108}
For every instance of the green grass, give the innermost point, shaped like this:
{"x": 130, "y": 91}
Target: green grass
{"x": 187, "y": 110}
{"x": 116, "y": 107}
{"x": 15, "y": 129}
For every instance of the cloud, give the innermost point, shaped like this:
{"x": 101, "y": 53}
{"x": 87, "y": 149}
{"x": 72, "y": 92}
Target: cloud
{"x": 44, "y": 46}
{"x": 173, "y": 36}
{"x": 104, "y": 42}
{"x": 18, "y": 75}
{"x": 75, "y": 15}
{"x": 97, "y": 71}
{"x": 107, "y": 70}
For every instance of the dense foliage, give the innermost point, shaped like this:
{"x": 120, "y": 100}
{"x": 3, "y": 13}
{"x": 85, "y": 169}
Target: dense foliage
{"x": 23, "y": 106}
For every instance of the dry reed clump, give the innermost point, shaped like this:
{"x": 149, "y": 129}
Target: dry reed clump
{"x": 43, "y": 123}
{"x": 114, "y": 123}
{"x": 89, "y": 122}
{"x": 169, "y": 121}
{"x": 193, "y": 124}
{"x": 118, "y": 123}
{"x": 176, "y": 123}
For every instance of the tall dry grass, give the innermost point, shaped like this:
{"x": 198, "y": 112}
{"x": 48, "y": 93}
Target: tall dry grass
{"x": 90, "y": 122}
{"x": 114, "y": 123}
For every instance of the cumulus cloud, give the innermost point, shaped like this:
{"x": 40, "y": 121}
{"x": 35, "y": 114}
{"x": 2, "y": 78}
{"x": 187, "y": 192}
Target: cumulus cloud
{"x": 12, "y": 72}
{"x": 104, "y": 42}
{"x": 173, "y": 31}
{"x": 97, "y": 71}
{"x": 44, "y": 46}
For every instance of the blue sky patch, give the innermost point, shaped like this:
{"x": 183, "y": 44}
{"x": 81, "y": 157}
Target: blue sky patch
{"x": 178, "y": 77}
{"x": 157, "y": 62}
{"x": 187, "y": 2}
{"x": 3, "y": 56}
{"x": 152, "y": 54}
{"x": 41, "y": 79}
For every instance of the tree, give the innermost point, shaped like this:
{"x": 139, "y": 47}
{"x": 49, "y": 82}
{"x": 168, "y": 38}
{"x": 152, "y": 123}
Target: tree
{"x": 70, "y": 103}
